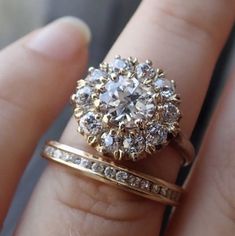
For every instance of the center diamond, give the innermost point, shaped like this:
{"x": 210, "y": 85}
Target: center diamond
{"x": 127, "y": 99}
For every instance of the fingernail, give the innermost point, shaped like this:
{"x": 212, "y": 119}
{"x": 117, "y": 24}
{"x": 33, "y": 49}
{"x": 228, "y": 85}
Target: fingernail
{"x": 62, "y": 39}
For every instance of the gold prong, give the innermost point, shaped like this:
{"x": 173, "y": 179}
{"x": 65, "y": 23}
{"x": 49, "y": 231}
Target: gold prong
{"x": 91, "y": 69}
{"x": 104, "y": 66}
{"x": 113, "y": 132}
{"x": 160, "y": 72}
{"x": 106, "y": 118}
{"x": 150, "y": 148}
{"x": 134, "y": 156}
{"x": 139, "y": 123}
{"x": 94, "y": 96}
{"x": 147, "y": 81}
{"x": 117, "y": 57}
{"x": 77, "y": 112}
{"x": 122, "y": 126}
{"x": 173, "y": 83}
{"x": 113, "y": 76}
{"x": 149, "y": 62}
{"x": 91, "y": 140}
{"x": 118, "y": 155}
{"x": 73, "y": 98}
{"x": 80, "y": 83}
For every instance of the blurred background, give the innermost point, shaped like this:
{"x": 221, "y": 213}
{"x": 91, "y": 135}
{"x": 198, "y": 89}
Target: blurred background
{"x": 106, "y": 19}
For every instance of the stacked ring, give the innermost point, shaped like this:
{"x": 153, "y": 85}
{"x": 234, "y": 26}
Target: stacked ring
{"x": 99, "y": 169}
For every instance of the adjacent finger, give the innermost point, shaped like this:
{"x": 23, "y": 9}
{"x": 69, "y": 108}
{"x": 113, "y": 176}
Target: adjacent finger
{"x": 209, "y": 205}
{"x": 37, "y": 74}
{"x": 169, "y": 33}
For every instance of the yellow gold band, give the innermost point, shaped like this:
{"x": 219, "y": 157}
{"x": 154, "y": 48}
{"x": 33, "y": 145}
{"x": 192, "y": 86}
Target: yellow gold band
{"x": 96, "y": 168}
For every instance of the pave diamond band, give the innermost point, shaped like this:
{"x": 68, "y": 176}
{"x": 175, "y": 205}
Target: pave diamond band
{"x": 97, "y": 168}
{"x": 128, "y": 110}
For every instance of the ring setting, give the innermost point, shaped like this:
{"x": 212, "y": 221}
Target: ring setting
{"x": 127, "y": 109}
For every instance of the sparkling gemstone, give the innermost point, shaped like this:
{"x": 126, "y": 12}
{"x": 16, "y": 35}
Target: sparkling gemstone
{"x": 65, "y": 156}
{"x": 156, "y": 134}
{"x": 49, "y": 150}
{"x": 155, "y": 188}
{"x": 134, "y": 144}
{"x": 84, "y": 94}
{"x": 86, "y": 163}
{"x": 119, "y": 65}
{"x": 110, "y": 172}
{"x": 163, "y": 191}
{"x": 171, "y": 113}
{"x": 144, "y": 70}
{"x": 121, "y": 176}
{"x": 89, "y": 124}
{"x": 108, "y": 142}
{"x": 166, "y": 87}
{"x": 96, "y": 76}
{"x": 77, "y": 160}
{"x": 57, "y": 154}
{"x": 126, "y": 99}
{"x": 145, "y": 184}
{"x": 97, "y": 167}
{"x": 134, "y": 181}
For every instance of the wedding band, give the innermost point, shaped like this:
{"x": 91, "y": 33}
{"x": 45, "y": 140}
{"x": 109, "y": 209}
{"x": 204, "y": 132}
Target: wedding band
{"x": 128, "y": 110}
{"x": 108, "y": 172}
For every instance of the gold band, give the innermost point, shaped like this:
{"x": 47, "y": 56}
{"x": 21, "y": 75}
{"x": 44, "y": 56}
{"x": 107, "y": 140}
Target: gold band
{"x": 96, "y": 168}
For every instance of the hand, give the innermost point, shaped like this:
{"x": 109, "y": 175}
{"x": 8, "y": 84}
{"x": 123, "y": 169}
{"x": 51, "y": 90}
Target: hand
{"x": 37, "y": 75}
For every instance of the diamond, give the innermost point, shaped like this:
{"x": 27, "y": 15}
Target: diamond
{"x": 57, "y": 154}
{"x": 110, "y": 172}
{"x": 166, "y": 87}
{"x": 65, "y": 156}
{"x": 144, "y": 70}
{"x": 77, "y": 160}
{"x": 84, "y": 95}
{"x": 171, "y": 113}
{"x": 96, "y": 76}
{"x": 97, "y": 167}
{"x": 163, "y": 191}
{"x": 145, "y": 184}
{"x": 126, "y": 99}
{"x": 108, "y": 142}
{"x": 121, "y": 176}
{"x": 120, "y": 65}
{"x": 134, "y": 181}
{"x": 86, "y": 163}
{"x": 89, "y": 124}
{"x": 156, "y": 134}
{"x": 49, "y": 150}
{"x": 134, "y": 144}
{"x": 155, "y": 188}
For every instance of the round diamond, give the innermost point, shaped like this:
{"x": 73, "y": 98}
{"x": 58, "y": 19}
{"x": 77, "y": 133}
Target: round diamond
{"x": 134, "y": 144}
{"x": 134, "y": 181}
{"x": 121, "y": 176}
{"x": 108, "y": 142}
{"x": 144, "y": 70}
{"x": 96, "y": 76}
{"x": 155, "y": 188}
{"x": 166, "y": 87}
{"x": 86, "y": 163}
{"x": 49, "y": 150}
{"x": 89, "y": 124}
{"x": 145, "y": 184}
{"x": 170, "y": 113}
{"x": 157, "y": 134}
{"x": 110, "y": 172}
{"x": 57, "y": 154}
{"x": 97, "y": 167}
{"x": 77, "y": 160}
{"x": 84, "y": 94}
{"x": 126, "y": 99}
{"x": 119, "y": 65}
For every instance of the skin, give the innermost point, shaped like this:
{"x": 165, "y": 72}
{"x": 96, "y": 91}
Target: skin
{"x": 185, "y": 39}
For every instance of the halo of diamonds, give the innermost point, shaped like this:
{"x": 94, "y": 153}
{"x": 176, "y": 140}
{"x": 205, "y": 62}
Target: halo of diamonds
{"x": 151, "y": 188}
{"x": 127, "y": 109}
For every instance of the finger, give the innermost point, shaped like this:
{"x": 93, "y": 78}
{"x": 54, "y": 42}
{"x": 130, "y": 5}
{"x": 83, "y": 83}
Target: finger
{"x": 166, "y": 32}
{"x": 209, "y": 205}
{"x": 34, "y": 72}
